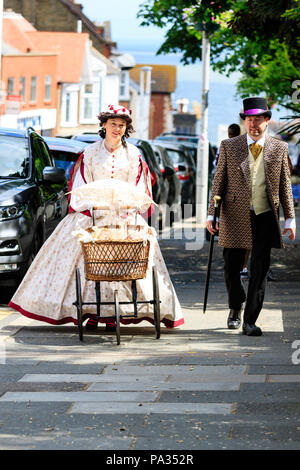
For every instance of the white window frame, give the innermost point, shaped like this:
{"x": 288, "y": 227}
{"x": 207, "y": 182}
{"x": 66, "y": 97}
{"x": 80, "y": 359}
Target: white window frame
{"x": 69, "y": 105}
{"x": 10, "y": 86}
{"x": 22, "y": 84}
{"x": 33, "y": 89}
{"x": 68, "y": 108}
{"x": 124, "y": 85}
{"x": 92, "y": 98}
{"x": 48, "y": 87}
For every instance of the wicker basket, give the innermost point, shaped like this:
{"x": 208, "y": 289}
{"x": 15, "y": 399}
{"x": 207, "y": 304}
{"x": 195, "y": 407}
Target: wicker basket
{"x": 115, "y": 260}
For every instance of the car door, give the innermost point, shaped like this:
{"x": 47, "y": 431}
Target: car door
{"x": 52, "y": 195}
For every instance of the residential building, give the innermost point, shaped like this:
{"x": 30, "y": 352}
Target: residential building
{"x": 62, "y": 16}
{"x": 74, "y": 86}
{"x": 28, "y": 79}
{"x": 163, "y": 84}
{"x": 125, "y": 62}
{"x": 184, "y": 122}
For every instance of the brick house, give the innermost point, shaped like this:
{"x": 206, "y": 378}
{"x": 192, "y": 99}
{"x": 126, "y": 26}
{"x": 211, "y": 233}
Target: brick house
{"x": 81, "y": 84}
{"x": 163, "y": 84}
{"x": 63, "y": 16}
{"x": 28, "y": 78}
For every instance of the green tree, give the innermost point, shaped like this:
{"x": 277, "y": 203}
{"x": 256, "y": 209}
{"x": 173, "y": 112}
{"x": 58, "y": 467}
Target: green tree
{"x": 258, "y": 38}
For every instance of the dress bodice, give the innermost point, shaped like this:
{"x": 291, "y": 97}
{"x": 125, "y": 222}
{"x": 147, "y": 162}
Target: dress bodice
{"x": 99, "y": 163}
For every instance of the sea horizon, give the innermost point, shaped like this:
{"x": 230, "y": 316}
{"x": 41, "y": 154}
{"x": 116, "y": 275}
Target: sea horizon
{"x": 224, "y": 105}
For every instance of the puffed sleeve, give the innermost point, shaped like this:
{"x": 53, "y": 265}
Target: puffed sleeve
{"x": 78, "y": 206}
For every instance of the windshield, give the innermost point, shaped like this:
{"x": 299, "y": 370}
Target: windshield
{"x": 14, "y": 157}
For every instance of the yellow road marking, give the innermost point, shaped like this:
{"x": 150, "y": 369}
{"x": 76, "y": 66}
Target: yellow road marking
{"x": 4, "y": 312}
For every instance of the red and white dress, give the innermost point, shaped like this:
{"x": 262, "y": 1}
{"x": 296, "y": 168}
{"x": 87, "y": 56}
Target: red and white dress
{"x": 47, "y": 291}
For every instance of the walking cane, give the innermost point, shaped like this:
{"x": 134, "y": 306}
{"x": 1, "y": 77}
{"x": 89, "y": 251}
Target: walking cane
{"x": 217, "y": 200}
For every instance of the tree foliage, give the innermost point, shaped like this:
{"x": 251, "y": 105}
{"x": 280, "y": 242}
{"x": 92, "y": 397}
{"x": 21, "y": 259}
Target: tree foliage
{"x": 258, "y": 38}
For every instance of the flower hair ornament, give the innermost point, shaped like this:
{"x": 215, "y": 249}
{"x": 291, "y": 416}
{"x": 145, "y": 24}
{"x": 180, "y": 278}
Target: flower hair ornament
{"x": 117, "y": 109}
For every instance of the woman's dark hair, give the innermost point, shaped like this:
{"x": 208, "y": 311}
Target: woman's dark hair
{"x": 104, "y": 117}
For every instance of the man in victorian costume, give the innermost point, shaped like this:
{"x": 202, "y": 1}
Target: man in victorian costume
{"x": 253, "y": 178}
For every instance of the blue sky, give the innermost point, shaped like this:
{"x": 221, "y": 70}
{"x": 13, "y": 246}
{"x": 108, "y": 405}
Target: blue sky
{"x": 141, "y": 42}
{"x": 124, "y": 24}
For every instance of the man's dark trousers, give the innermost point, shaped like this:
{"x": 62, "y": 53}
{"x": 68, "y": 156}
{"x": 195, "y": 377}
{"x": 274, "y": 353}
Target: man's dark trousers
{"x": 264, "y": 227}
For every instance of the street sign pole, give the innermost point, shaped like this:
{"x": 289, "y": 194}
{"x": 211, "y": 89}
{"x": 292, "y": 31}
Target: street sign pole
{"x": 203, "y": 145}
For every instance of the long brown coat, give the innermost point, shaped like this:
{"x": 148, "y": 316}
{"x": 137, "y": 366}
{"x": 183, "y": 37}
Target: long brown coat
{"x": 232, "y": 182}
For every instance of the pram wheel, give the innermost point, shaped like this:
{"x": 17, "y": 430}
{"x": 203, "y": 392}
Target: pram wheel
{"x": 79, "y": 304}
{"x": 156, "y": 302}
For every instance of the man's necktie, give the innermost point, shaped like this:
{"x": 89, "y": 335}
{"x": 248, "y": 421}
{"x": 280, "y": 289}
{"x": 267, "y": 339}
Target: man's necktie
{"x": 255, "y": 150}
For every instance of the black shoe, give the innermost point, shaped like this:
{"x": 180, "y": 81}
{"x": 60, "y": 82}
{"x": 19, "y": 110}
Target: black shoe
{"x": 92, "y": 323}
{"x": 251, "y": 330}
{"x": 110, "y": 327}
{"x": 234, "y": 319}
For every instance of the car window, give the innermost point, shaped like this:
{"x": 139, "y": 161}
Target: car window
{"x": 176, "y": 157}
{"x": 189, "y": 158}
{"x": 193, "y": 153}
{"x": 40, "y": 156}
{"x": 14, "y": 157}
{"x": 158, "y": 157}
{"x": 64, "y": 156}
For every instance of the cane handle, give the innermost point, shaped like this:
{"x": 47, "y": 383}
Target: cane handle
{"x": 217, "y": 200}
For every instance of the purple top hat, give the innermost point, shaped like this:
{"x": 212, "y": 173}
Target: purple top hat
{"x": 255, "y": 106}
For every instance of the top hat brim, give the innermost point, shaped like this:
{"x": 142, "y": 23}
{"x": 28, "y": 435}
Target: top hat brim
{"x": 266, "y": 113}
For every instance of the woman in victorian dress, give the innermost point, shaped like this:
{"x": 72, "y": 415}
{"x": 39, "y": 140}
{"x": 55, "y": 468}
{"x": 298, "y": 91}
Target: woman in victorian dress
{"x": 47, "y": 291}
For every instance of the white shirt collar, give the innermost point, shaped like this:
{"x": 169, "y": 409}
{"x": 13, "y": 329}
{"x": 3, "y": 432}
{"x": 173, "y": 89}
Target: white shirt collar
{"x": 260, "y": 141}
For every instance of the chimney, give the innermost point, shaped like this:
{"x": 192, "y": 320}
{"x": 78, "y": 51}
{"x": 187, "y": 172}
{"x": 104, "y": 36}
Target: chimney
{"x": 100, "y": 28}
{"x": 182, "y": 105}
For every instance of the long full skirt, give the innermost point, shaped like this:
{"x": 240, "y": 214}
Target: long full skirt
{"x": 48, "y": 290}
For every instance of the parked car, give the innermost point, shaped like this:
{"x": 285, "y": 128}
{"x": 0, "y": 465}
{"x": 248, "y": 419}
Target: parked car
{"x": 65, "y": 152}
{"x": 32, "y": 200}
{"x": 88, "y": 138}
{"x": 185, "y": 167}
{"x": 159, "y": 186}
{"x": 178, "y": 137}
{"x": 171, "y": 177}
{"x": 191, "y": 142}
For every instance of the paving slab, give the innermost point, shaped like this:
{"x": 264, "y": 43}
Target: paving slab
{"x": 146, "y": 408}
{"x": 175, "y": 370}
{"x": 78, "y": 396}
{"x": 284, "y": 378}
{"x": 65, "y": 443}
{"x": 90, "y": 378}
{"x": 164, "y": 386}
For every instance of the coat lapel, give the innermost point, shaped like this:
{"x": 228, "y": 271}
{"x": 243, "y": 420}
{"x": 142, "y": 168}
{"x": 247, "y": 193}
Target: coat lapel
{"x": 267, "y": 158}
{"x": 244, "y": 157}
